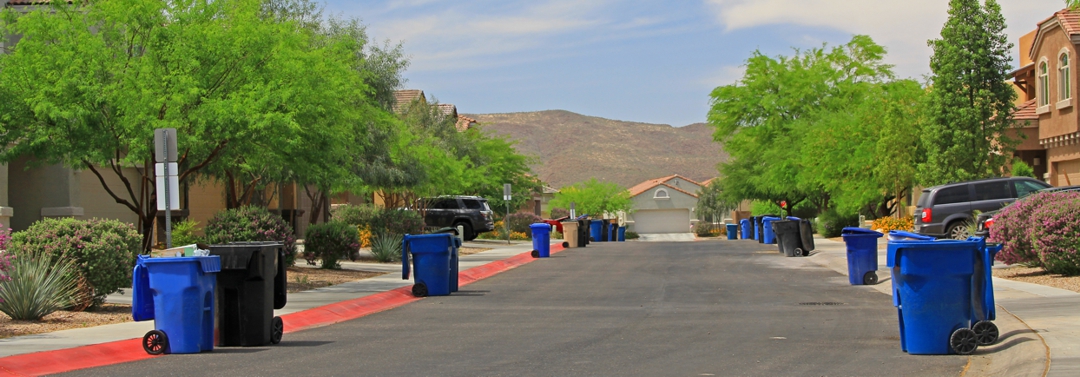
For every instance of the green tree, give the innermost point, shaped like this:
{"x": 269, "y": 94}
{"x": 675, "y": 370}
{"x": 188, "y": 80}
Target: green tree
{"x": 971, "y": 104}
{"x": 594, "y": 198}
{"x": 712, "y": 203}
{"x": 781, "y": 121}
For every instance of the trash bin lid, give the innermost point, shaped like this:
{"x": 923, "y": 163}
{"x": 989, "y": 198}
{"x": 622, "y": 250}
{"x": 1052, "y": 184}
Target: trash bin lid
{"x": 859, "y": 232}
{"x": 899, "y": 235}
{"x": 793, "y": 218}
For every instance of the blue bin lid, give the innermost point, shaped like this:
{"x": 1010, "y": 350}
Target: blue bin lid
{"x": 744, "y": 221}
{"x": 428, "y": 243}
{"x": 540, "y": 226}
{"x": 859, "y": 232}
{"x": 770, "y": 218}
{"x": 894, "y": 235}
{"x": 793, "y": 218}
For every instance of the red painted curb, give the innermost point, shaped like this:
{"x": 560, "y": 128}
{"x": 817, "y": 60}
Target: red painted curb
{"x": 122, "y": 351}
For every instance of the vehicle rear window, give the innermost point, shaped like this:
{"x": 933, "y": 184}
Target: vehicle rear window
{"x": 924, "y": 199}
{"x": 949, "y": 195}
{"x": 993, "y": 190}
{"x": 473, "y": 204}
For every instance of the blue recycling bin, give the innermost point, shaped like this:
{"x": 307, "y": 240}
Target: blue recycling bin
{"x": 732, "y": 231}
{"x": 541, "y": 240}
{"x": 178, "y": 294}
{"x": 768, "y": 236}
{"x": 934, "y": 295}
{"x": 431, "y": 255}
{"x": 622, "y": 234}
{"x": 861, "y": 255}
{"x": 746, "y": 229}
{"x": 595, "y": 227}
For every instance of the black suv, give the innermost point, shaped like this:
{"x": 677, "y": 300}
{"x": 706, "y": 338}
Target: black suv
{"x": 946, "y": 210}
{"x": 471, "y": 212}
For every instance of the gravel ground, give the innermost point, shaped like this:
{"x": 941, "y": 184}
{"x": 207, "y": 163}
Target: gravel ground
{"x": 1036, "y": 275}
{"x": 63, "y": 320}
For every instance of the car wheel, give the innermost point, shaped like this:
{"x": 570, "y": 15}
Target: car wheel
{"x": 467, "y": 229}
{"x": 958, "y": 231}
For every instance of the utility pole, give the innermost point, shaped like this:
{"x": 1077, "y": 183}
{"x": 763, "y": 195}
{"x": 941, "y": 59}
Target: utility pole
{"x": 506, "y": 218}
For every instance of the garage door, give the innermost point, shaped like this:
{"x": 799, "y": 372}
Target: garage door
{"x": 662, "y": 221}
{"x": 1067, "y": 173}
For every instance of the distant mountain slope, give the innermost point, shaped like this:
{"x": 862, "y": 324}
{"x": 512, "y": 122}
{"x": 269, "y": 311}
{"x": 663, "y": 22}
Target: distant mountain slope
{"x": 573, "y": 147}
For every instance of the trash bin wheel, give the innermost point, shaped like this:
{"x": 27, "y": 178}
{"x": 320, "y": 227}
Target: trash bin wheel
{"x": 565, "y": 244}
{"x": 964, "y": 341}
{"x": 870, "y": 278}
{"x": 419, "y": 290}
{"x": 535, "y": 253}
{"x": 799, "y": 252}
{"x": 986, "y": 331}
{"x": 154, "y": 342}
{"x": 277, "y": 328}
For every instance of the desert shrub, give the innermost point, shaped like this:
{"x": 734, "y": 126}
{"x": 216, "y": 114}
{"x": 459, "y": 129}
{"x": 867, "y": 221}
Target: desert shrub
{"x": 355, "y": 215}
{"x": 520, "y": 221}
{"x": 396, "y": 221}
{"x": 37, "y": 285}
{"x": 1055, "y": 233}
{"x": 330, "y": 242}
{"x": 1014, "y": 227}
{"x": 5, "y": 237}
{"x": 364, "y": 234}
{"x": 251, "y": 223}
{"x": 831, "y": 223}
{"x": 559, "y": 213}
{"x": 885, "y": 224}
{"x": 631, "y": 235}
{"x": 183, "y": 233}
{"x": 703, "y": 228}
{"x": 103, "y": 251}
{"x": 556, "y": 235}
{"x": 1022, "y": 169}
{"x": 387, "y": 248}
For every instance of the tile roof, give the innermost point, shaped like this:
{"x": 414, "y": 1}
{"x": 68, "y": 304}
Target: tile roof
{"x": 448, "y": 109}
{"x": 1069, "y": 21}
{"x": 464, "y": 123}
{"x": 650, "y": 184}
{"x": 1026, "y": 111}
{"x": 403, "y": 98}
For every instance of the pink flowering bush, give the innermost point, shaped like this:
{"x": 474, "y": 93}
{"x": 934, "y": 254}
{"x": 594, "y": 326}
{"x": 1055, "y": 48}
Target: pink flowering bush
{"x": 1055, "y": 234}
{"x": 251, "y": 223}
{"x": 1013, "y": 229}
{"x": 103, "y": 251}
{"x": 1041, "y": 230}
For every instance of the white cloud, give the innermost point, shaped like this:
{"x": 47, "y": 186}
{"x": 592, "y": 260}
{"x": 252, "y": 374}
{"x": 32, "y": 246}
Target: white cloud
{"x": 902, "y": 26}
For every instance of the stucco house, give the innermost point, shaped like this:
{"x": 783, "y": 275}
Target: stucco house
{"x": 663, "y": 205}
{"x": 1046, "y": 83}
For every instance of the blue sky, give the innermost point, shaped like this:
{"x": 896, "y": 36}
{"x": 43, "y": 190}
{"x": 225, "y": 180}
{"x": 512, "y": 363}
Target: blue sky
{"x": 636, "y": 60}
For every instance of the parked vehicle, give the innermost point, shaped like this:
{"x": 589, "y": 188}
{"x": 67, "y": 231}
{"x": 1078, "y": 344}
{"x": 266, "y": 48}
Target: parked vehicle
{"x": 947, "y": 210}
{"x": 985, "y": 220}
{"x": 470, "y": 212}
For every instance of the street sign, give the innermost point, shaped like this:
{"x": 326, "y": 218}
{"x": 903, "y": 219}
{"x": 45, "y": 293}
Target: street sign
{"x": 165, "y": 145}
{"x": 174, "y": 186}
{"x": 506, "y": 191}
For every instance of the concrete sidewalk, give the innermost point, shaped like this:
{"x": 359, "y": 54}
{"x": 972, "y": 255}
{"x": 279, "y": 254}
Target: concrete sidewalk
{"x": 1040, "y": 325}
{"x": 296, "y": 302}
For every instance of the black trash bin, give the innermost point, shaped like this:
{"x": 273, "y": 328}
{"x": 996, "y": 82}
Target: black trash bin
{"x": 788, "y": 238}
{"x": 582, "y": 232}
{"x": 250, "y": 286}
{"x": 806, "y": 233}
{"x": 604, "y": 230}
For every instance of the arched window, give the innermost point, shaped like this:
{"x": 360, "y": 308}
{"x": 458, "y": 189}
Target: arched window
{"x": 661, "y": 194}
{"x": 1044, "y": 84}
{"x": 1064, "y": 79}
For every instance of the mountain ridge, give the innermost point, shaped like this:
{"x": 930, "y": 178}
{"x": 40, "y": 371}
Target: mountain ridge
{"x": 572, "y": 147}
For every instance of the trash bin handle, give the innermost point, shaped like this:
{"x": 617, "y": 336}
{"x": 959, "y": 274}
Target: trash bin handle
{"x": 405, "y": 252}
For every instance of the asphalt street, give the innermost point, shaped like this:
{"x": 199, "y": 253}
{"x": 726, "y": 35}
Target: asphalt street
{"x": 642, "y": 309}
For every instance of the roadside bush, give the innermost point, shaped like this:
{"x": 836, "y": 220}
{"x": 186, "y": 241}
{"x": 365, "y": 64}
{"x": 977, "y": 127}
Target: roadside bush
{"x": 1022, "y": 169}
{"x": 397, "y": 221}
{"x": 251, "y": 223}
{"x": 387, "y": 248}
{"x": 330, "y": 242}
{"x": 5, "y": 237}
{"x": 1055, "y": 233}
{"x": 559, "y": 213}
{"x": 520, "y": 221}
{"x": 183, "y": 233}
{"x": 831, "y": 223}
{"x": 36, "y": 285}
{"x": 885, "y": 224}
{"x": 1014, "y": 228}
{"x": 103, "y": 251}
{"x": 631, "y": 235}
{"x": 703, "y": 229}
{"x": 355, "y": 215}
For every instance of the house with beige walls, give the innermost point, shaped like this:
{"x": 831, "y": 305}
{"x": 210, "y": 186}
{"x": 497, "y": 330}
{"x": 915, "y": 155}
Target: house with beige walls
{"x": 663, "y": 205}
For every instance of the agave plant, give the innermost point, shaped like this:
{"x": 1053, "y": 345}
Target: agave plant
{"x": 35, "y": 287}
{"x": 386, "y": 247}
